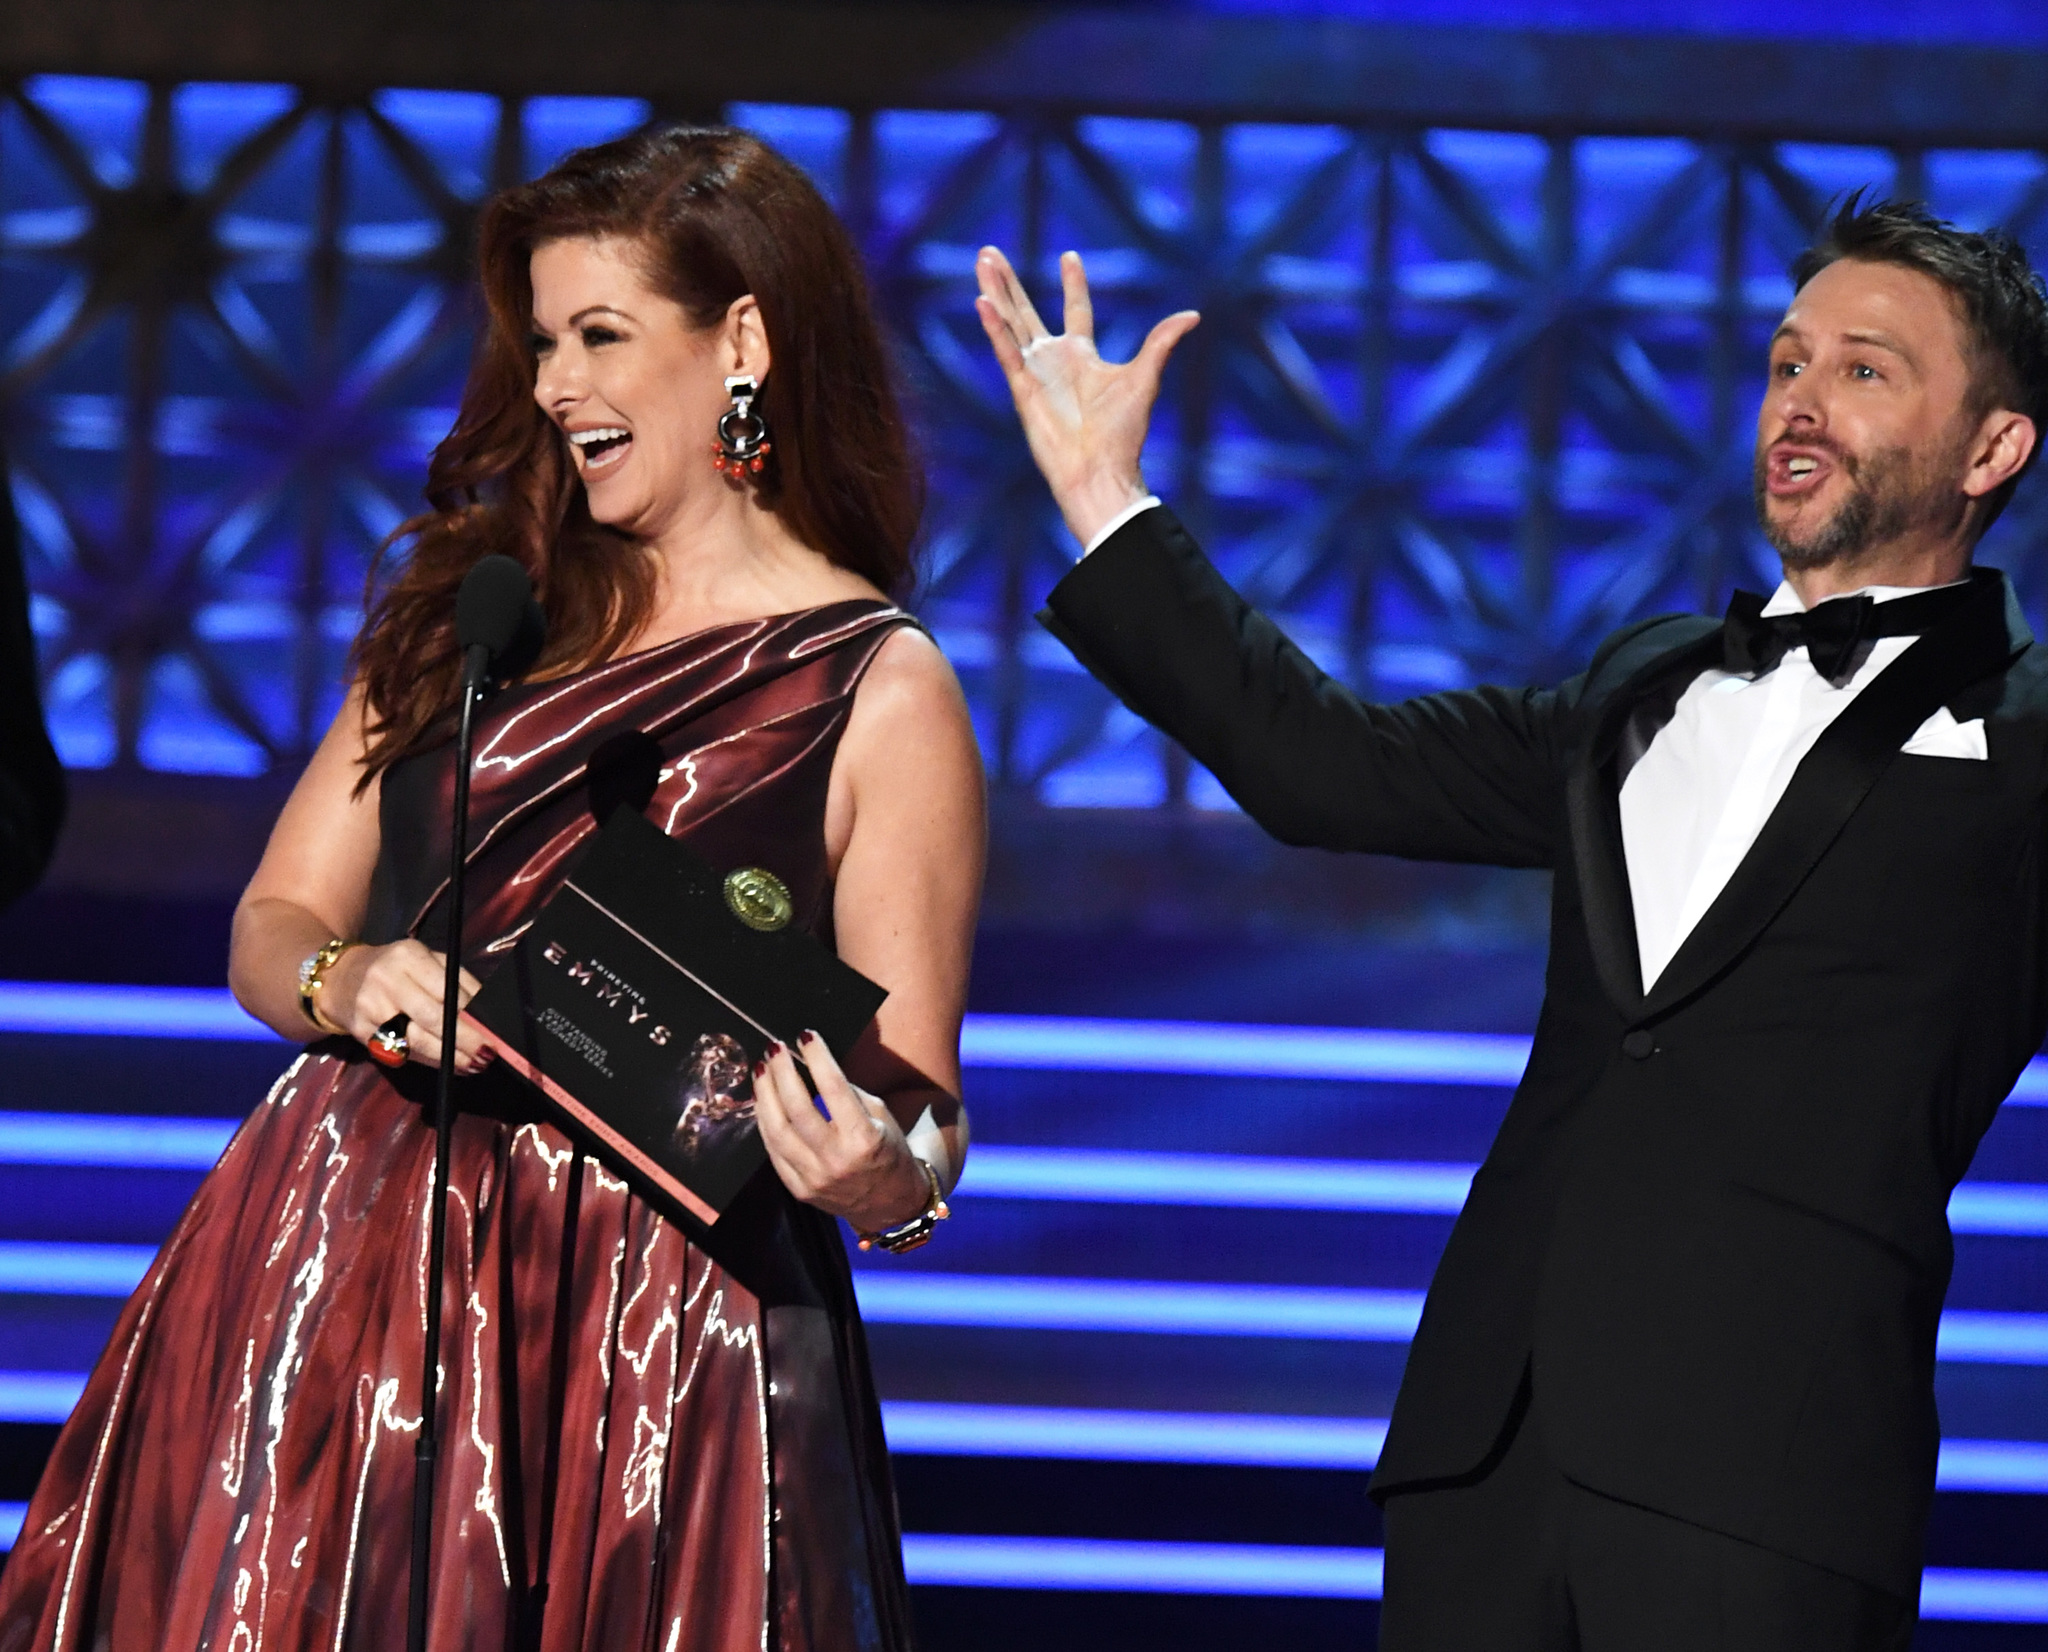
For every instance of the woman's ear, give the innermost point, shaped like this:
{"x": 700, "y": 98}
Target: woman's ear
{"x": 746, "y": 339}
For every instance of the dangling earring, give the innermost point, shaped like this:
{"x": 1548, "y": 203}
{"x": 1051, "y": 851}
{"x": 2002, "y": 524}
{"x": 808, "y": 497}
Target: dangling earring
{"x": 743, "y": 444}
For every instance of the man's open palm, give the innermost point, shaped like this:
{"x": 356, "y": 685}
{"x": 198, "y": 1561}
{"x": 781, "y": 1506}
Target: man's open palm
{"x": 1085, "y": 418}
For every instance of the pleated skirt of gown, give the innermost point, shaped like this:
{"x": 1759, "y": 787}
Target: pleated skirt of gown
{"x": 239, "y": 1472}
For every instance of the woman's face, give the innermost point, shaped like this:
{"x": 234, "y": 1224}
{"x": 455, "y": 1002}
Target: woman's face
{"x": 637, "y": 390}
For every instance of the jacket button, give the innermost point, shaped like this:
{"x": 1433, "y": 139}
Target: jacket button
{"x": 1639, "y": 1045}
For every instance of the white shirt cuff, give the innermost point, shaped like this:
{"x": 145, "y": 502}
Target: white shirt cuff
{"x": 1121, "y": 517}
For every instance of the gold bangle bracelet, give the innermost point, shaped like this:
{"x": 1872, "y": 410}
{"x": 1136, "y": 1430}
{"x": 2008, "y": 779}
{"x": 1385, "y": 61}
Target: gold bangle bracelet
{"x": 312, "y": 977}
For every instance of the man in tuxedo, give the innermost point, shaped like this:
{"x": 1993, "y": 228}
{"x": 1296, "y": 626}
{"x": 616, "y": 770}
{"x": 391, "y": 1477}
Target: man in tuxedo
{"x": 1673, "y": 1384}
{"x": 31, "y": 779}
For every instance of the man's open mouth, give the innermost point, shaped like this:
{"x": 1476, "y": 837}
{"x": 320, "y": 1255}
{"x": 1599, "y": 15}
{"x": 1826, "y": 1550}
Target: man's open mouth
{"x": 1795, "y": 473}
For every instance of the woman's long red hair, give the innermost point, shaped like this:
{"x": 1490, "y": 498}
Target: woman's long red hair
{"x": 719, "y": 215}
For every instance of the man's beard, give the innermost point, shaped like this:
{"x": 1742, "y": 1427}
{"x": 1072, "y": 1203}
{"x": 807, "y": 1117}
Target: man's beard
{"x": 1890, "y": 494}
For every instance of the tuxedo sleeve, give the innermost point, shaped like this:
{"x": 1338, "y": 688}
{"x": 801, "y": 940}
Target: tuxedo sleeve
{"x": 1473, "y": 775}
{"x": 31, "y": 778}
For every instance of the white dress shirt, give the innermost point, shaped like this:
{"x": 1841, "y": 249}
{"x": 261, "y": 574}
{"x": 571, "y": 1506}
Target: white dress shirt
{"x": 1697, "y": 798}
{"x": 1121, "y": 517}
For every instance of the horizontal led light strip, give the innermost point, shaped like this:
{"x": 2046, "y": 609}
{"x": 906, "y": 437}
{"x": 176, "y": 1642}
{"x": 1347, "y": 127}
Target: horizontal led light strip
{"x": 949, "y": 1560}
{"x": 31, "y": 1267}
{"x": 127, "y": 1141}
{"x": 127, "y": 1012}
{"x": 1243, "y": 1050}
{"x": 1108, "y": 1176}
{"x": 1327, "y": 1312}
{"x": 1161, "y": 1307}
{"x": 1958, "y": 1594}
{"x": 1102, "y": 1175}
{"x": 39, "y": 1396}
{"x": 1079, "y": 1174}
{"x": 1065, "y": 1043}
{"x": 921, "y": 1428}
{"x": 963, "y": 1562}
{"x": 1170, "y": 1307}
{"x": 925, "y": 1429}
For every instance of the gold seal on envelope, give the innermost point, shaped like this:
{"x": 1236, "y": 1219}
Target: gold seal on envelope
{"x": 758, "y": 899}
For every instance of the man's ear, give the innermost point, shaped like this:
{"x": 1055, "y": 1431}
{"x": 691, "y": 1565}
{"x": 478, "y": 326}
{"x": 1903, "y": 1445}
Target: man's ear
{"x": 2003, "y": 444}
{"x": 746, "y": 339}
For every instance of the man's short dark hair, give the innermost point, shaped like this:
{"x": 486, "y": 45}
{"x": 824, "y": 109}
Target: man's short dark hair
{"x": 2002, "y": 302}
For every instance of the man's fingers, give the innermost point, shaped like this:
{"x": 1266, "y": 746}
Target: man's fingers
{"x": 1008, "y": 355}
{"x": 1007, "y": 291}
{"x": 998, "y": 284}
{"x": 1160, "y": 341}
{"x": 1080, "y": 308}
{"x": 989, "y": 265}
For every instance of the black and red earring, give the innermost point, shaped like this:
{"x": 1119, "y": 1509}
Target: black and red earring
{"x": 743, "y": 445}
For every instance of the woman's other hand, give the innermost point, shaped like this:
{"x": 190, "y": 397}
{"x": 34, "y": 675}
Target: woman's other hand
{"x": 850, "y": 1160}
{"x": 1084, "y": 417}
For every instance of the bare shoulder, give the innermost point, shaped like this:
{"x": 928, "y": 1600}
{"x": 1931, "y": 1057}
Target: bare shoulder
{"x": 909, "y": 676}
{"x": 909, "y": 715}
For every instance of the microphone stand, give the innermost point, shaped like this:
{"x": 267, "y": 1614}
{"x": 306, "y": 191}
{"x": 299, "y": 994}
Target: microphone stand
{"x": 475, "y": 672}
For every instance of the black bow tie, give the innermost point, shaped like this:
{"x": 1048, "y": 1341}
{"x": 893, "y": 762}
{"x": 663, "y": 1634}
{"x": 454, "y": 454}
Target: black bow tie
{"x": 1831, "y": 632}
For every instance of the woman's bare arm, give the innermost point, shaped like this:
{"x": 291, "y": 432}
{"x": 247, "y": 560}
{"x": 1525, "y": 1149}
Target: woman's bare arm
{"x": 907, "y": 824}
{"x": 312, "y": 885}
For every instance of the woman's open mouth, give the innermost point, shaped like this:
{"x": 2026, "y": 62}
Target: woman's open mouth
{"x": 601, "y": 447}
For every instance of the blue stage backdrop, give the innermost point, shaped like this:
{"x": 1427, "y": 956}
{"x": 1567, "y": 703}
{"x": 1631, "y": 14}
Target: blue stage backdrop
{"x": 1462, "y": 403}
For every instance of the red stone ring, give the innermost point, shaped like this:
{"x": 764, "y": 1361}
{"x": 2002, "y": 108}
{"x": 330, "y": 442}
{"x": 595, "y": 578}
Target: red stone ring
{"x": 388, "y": 1046}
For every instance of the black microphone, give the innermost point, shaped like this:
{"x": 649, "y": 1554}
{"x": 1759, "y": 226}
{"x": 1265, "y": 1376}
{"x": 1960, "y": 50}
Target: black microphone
{"x": 498, "y": 625}
{"x": 500, "y": 630}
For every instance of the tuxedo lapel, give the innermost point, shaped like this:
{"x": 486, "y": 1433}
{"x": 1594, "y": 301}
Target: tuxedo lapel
{"x": 1593, "y": 801}
{"x": 1833, "y": 779}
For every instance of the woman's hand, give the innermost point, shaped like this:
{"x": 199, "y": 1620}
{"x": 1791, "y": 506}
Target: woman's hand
{"x": 367, "y": 985}
{"x": 1085, "y": 418}
{"x": 854, "y": 1164}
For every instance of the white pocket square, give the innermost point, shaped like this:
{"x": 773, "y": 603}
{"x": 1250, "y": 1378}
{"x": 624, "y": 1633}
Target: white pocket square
{"x": 1942, "y": 736}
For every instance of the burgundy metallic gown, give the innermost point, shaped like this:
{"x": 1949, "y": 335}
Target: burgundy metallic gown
{"x": 650, "y": 1438}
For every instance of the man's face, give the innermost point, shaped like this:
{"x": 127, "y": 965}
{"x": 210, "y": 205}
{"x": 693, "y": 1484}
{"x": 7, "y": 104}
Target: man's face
{"x": 1862, "y": 439}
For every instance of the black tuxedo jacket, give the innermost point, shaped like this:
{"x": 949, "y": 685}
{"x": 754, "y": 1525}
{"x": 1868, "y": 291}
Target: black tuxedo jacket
{"x": 1713, "y": 1225}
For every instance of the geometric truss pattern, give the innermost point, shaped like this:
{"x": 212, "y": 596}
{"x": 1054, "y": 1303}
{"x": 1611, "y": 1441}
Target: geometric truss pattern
{"x": 1460, "y": 404}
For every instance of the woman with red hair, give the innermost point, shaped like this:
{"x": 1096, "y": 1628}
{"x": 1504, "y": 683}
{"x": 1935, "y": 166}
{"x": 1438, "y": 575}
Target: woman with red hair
{"x": 681, "y": 422}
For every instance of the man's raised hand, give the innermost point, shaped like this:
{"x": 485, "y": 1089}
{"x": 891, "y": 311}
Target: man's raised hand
{"x": 1085, "y": 418}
